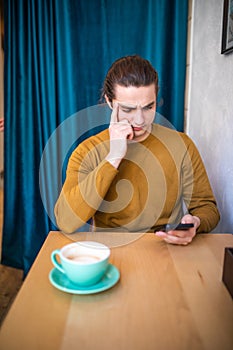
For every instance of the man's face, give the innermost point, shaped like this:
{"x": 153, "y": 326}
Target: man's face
{"x": 137, "y": 105}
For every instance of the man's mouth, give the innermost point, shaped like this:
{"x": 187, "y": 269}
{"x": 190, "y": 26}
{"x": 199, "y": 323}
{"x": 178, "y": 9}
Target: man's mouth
{"x": 136, "y": 128}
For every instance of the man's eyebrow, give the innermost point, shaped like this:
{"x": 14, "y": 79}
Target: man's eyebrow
{"x": 135, "y": 107}
{"x": 127, "y": 106}
{"x": 149, "y": 104}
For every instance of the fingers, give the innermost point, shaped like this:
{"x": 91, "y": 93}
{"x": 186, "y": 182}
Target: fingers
{"x": 177, "y": 237}
{"x": 191, "y": 219}
{"x": 181, "y": 237}
{"x": 121, "y": 127}
{"x": 131, "y": 134}
{"x": 121, "y": 130}
{"x": 114, "y": 115}
{"x": 182, "y": 240}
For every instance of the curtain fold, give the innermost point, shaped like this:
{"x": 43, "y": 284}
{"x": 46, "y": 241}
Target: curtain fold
{"x": 57, "y": 53}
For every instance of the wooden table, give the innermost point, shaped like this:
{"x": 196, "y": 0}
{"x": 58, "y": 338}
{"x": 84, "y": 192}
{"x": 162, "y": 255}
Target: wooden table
{"x": 168, "y": 297}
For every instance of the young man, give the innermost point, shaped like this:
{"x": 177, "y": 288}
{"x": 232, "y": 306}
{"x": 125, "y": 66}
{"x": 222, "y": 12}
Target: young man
{"x": 136, "y": 176}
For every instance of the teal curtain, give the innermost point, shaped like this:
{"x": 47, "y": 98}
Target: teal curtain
{"x": 57, "y": 53}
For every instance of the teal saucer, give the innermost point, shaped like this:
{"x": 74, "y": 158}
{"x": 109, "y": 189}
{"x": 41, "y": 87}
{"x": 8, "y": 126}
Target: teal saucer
{"x": 61, "y": 282}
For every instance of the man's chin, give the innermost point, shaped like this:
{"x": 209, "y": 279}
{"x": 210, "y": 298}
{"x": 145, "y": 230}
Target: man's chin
{"x": 140, "y": 135}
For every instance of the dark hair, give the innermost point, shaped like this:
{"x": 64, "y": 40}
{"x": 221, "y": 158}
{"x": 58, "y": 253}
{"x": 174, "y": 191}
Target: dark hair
{"x": 129, "y": 71}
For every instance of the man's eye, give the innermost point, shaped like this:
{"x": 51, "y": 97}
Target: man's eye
{"x": 148, "y": 108}
{"x": 126, "y": 110}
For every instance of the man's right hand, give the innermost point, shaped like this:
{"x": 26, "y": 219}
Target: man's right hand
{"x": 119, "y": 132}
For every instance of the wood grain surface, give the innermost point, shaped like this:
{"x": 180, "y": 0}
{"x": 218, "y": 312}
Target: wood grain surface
{"x": 168, "y": 297}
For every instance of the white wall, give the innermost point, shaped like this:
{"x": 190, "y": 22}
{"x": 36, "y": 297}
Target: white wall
{"x": 210, "y": 103}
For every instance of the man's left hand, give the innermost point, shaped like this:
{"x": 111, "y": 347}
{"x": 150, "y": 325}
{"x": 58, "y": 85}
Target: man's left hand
{"x": 181, "y": 237}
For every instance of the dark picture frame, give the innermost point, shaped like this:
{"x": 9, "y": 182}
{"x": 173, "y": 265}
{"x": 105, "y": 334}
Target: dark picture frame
{"x": 227, "y": 27}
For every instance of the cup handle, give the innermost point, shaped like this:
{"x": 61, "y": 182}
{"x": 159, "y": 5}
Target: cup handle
{"x": 55, "y": 261}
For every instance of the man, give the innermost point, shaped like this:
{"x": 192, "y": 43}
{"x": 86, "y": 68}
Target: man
{"x": 136, "y": 176}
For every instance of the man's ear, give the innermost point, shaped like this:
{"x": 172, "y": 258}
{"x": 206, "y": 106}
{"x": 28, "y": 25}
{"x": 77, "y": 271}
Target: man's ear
{"x": 108, "y": 101}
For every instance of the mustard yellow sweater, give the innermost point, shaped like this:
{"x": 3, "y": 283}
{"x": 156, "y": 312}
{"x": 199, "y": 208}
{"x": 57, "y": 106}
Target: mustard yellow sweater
{"x": 158, "y": 181}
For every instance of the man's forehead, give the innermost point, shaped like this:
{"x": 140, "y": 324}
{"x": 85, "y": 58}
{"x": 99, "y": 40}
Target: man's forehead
{"x": 135, "y": 96}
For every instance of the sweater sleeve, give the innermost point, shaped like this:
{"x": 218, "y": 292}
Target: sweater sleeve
{"x": 88, "y": 179}
{"x": 197, "y": 191}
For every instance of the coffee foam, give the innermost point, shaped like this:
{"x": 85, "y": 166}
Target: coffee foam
{"x": 84, "y": 259}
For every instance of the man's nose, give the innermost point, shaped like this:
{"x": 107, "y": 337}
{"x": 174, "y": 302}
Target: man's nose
{"x": 139, "y": 119}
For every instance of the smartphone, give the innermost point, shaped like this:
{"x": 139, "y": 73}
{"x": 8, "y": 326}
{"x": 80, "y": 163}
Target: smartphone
{"x": 179, "y": 227}
{"x": 183, "y": 227}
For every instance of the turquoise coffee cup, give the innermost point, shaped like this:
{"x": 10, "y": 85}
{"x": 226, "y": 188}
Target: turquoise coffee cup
{"x": 84, "y": 263}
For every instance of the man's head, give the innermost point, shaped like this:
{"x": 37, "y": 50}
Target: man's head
{"x": 129, "y": 71}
